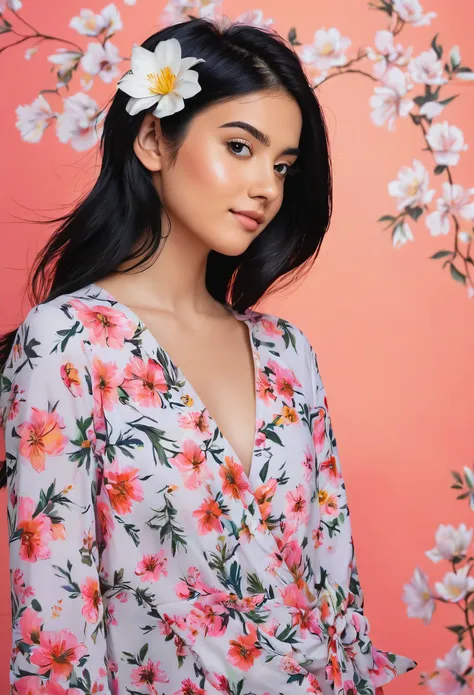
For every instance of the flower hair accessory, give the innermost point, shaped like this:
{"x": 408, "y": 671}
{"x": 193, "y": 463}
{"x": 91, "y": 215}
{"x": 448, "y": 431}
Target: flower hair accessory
{"x": 160, "y": 77}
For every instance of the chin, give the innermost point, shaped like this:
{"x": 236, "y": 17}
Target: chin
{"x": 232, "y": 247}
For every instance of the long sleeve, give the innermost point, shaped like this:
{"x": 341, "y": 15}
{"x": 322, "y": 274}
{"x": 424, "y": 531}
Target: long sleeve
{"x": 352, "y": 658}
{"x": 52, "y": 467}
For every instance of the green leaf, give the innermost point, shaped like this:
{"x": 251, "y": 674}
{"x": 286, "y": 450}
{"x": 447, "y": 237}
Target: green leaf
{"x": 143, "y": 652}
{"x": 464, "y": 69}
{"x": 444, "y": 102}
{"x": 292, "y": 37}
{"x": 386, "y": 218}
{"x": 437, "y": 48}
{"x": 36, "y": 605}
{"x": 459, "y": 277}
{"x": 442, "y": 254}
{"x": 439, "y": 169}
{"x": 415, "y": 213}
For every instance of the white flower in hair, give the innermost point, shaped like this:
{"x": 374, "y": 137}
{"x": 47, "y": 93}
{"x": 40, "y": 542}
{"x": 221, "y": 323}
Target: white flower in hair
{"x": 160, "y": 77}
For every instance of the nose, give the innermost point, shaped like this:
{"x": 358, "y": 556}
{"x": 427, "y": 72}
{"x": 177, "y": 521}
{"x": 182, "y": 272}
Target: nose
{"x": 264, "y": 181}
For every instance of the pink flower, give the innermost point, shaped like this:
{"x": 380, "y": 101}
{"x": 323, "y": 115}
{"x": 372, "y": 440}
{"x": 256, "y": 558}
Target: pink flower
{"x": 198, "y": 421}
{"x": 36, "y": 532}
{"x": 57, "y": 652}
{"x": 122, "y": 487}
{"x": 297, "y": 504}
{"x": 192, "y": 463}
{"x": 106, "y": 378}
{"x": 29, "y": 685}
{"x": 41, "y": 435}
{"x": 71, "y": 379}
{"x": 106, "y": 326}
{"x": 285, "y": 380}
{"x": 190, "y": 688}
{"x": 271, "y": 328}
{"x": 151, "y": 567}
{"x": 149, "y": 674}
{"x": 30, "y": 626}
{"x": 145, "y": 381}
{"x": 106, "y": 519}
{"x": 319, "y": 430}
{"x": 264, "y": 388}
{"x": 92, "y": 600}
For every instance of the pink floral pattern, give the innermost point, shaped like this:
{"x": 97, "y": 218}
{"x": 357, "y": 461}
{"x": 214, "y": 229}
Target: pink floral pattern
{"x": 143, "y": 558}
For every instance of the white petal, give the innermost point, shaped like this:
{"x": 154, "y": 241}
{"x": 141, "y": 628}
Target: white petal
{"x": 186, "y": 89}
{"x": 187, "y": 63}
{"x": 134, "y": 86}
{"x": 134, "y": 106}
{"x": 168, "y": 54}
{"x": 142, "y": 61}
{"x": 169, "y": 104}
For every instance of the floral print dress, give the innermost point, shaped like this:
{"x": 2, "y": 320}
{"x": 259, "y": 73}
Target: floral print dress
{"x": 143, "y": 559}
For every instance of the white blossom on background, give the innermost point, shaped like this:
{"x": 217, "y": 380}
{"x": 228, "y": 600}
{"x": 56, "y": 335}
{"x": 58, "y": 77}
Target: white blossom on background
{"x": 456, "y": 659}
{"x": 67, "y": 61}
{"x": 427, "y": 69}
{"x": 446, "y": 141}
{"x": 176, "y": 11}
{"x": 30, "y": 52}
{"x": 455, "y": 585}
{"x": 101, "y": 61}
{"x": 411, "y": 186}
{"x": 411, "y": 12}
{"x": 450, "y": 543}
{"x": 78, "y": 122}
{"x": 90, "y": 24}
{"x": 33, "y": 119}
{"x": 387, "y": 101}
{"x": 15, "y": 5}
{"x": 456, "y": 200}
{"x": 401, "y": 235}
{"x": 254, "y": 18}
{"x": 327, "y": 50}
{"x": 418, "y": 597}
{"x": 387, "y": 54}
{"x": 431, "y": 109}
{"x": 446, "y": 679}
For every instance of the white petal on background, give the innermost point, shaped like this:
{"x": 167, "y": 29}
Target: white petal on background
{"x": 33, "y": 119}
{"x": 142, "y": 61}
{"x": 168, "y": 53}
{"x": 431, "y": 109}
{"x": 465, "y": 75}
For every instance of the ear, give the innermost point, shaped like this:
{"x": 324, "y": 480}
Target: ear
{"x": 147, "y": 143}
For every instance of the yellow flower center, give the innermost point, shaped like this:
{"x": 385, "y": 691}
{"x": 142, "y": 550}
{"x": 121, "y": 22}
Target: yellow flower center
{"x": 163, "y": 82}
{"x": 327, "y": 49}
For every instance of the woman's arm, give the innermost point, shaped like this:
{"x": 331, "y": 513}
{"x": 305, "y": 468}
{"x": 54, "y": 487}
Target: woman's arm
{"x": 352, "y": 656}
{"x": 52, "y": 469}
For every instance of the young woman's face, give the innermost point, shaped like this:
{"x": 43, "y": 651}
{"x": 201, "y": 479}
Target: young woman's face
{"x": 222, "y": 168}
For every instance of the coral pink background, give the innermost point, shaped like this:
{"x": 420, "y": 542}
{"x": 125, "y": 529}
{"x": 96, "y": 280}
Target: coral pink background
{"x": 393, "y": 332}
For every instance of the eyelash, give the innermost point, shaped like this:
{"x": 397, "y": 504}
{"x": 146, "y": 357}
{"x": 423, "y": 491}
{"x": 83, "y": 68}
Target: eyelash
{"x": 292, "y": 169}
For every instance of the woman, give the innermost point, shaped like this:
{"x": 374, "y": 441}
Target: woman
{"x": 177, "y": 515}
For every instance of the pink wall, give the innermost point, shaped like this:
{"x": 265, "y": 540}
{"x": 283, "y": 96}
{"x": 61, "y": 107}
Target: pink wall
{"x": 394, "y": 333}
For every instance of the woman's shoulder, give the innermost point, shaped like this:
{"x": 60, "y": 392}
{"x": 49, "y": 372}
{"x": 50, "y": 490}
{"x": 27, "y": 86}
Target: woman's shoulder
{"x": 284, "y": 333}
{"x": 50, "y": 331}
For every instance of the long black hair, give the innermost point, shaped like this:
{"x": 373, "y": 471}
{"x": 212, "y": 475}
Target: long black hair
{"x": 119, "y": 219}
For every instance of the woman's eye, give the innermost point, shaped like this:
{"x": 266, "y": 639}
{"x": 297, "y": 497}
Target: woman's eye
{"x": 236, "y": 148}
{"x": 238, "y": 145}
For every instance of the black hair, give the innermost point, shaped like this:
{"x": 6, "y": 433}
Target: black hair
{"x": 120, "y": 218}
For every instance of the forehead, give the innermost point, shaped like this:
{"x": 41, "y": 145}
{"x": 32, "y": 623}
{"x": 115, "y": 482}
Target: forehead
{"x": 275, "y": 112}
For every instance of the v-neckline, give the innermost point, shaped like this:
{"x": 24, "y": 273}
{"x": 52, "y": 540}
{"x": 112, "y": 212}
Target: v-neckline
{"x": 239, "y": 317}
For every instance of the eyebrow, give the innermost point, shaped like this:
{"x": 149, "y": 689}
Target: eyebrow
{"x": 258, "y": 135}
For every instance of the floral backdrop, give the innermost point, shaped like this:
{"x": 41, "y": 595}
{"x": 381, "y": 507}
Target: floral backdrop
{"x": 426, "y": 196}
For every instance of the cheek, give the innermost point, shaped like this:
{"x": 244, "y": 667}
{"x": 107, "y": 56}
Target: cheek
{"x": 210, "y": 167}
